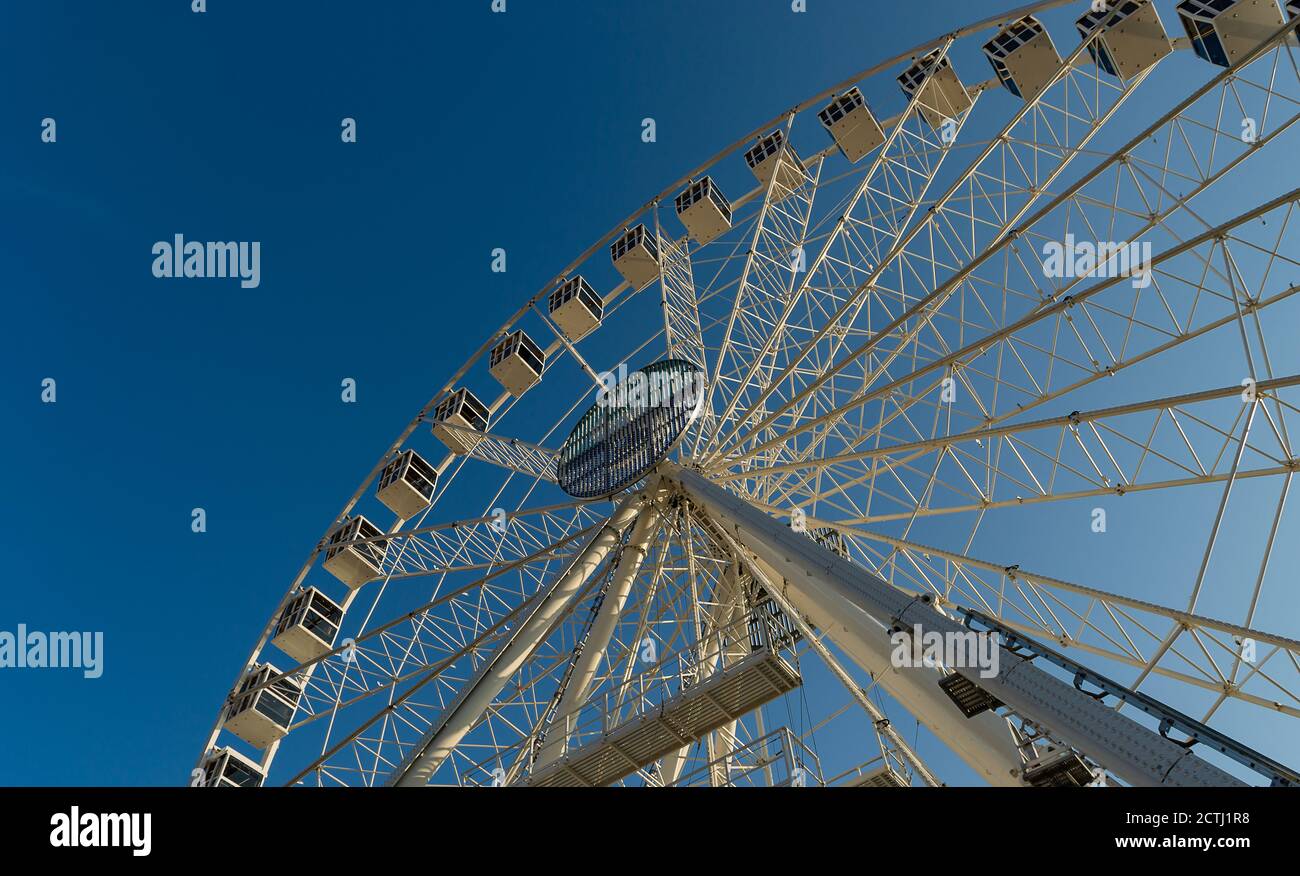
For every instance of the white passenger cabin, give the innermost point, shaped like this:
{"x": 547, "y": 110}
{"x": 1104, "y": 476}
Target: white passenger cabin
{"x": 517, "y": 362}
{"x": 262, "y": 716}
{"x": 308, "y": 625}
{"x": 576, "y": 308}
{"x": 944, "y": 98}
{"x": 407, "y": 484}
{"x": 704, "y": 210}
{"x": 227, "y": 768}
{"x": 462, "y": 408}
{"x": 851, "y": 125}
{"x": 1225, "y": 31}
{"x": 1024, "y": 57}
{"x": 636, "y": 257}
{"x": 770, "y": 153}
{"x": 1131, "y": 42}
{"x": 355, "y": 564}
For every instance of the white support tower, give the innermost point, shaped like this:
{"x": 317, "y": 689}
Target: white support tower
{"x": 852, "y": 601}
{"x": 442, "y": 738}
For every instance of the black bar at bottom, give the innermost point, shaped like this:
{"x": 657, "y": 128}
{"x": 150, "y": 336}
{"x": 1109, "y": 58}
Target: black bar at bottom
{"x": 501, "y": 826}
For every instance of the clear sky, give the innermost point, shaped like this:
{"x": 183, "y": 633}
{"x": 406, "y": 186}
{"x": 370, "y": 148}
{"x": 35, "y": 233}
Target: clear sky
{"x": 474, "y": 131}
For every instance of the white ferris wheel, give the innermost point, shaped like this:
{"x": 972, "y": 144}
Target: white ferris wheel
{"x": 668, "y": 524}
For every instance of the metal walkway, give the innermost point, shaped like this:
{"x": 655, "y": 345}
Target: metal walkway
{"x": 681, "y": 719}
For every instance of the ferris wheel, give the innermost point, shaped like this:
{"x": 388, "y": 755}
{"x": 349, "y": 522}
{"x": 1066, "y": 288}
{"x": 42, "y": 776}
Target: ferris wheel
{"x": 670, "y": 523}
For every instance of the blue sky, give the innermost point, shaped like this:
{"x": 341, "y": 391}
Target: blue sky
{"x": 475, "y": 131}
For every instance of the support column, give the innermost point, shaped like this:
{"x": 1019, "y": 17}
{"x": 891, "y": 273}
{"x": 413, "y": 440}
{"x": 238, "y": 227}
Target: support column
{"x": 597, "y": 644}
{"x": 474, "y": 698}
{"x": 856, "y": 609}
{"x": 729, "y": 625}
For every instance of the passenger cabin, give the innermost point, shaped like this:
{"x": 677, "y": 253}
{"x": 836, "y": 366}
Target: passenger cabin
{"x": 462, "y": 408}
{"x": 1132, "y": 37}
{"x": 227, "y": 768}
{"x": 1024, "y": 57}
{"x": 355, "y": 564}
{"x": 636, "y": 257}
{"x": 261, "y": 715}
{"x": 1225, "y": 31}
{"x": 308, "y": 625}
{"x": 517, "y": 362}
{"x": 852, "y": 125}
{"x": 943, "y": 98}
{"x": 576, "y": 308}
{"x": 407, "y": 484}
{"x": 704, "y": 211}
{"x": 769, "y": 153}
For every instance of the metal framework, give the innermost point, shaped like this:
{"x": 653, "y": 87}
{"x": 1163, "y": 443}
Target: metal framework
{"x": 914, "y": 377}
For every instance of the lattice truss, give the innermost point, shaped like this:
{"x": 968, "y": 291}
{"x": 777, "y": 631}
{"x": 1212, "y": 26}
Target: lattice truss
{"x": 487, "y": 571}
{"x": 1177, "y": 644}
{"x": 509, "y": 453}
{"x": 886, "y": 347}
{"x": 687, "y": 615}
